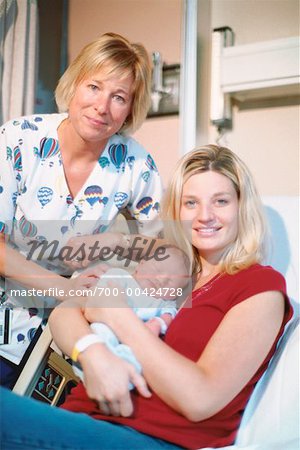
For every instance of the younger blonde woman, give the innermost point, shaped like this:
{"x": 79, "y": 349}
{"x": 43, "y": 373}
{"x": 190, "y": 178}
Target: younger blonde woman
{"x": 196, "y": 383}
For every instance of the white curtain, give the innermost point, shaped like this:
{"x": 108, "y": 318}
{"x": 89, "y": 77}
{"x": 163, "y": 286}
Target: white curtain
{"x": 18, "y": 57}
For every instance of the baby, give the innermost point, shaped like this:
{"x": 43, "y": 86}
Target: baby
{"x": 150, "y": 291}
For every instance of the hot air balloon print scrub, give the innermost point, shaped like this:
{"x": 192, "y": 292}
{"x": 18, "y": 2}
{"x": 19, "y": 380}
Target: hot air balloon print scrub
{"x": 93, "y": 194}
{"x": 120, "y": 199}
{"x": 80, "y": 167}
{"x": 27, "y": 228}
{"x": 44, "y": 195}
{"x": 49, "y": 147}
{"x": 144, "y": 206}
{"x": 117, "y": 154}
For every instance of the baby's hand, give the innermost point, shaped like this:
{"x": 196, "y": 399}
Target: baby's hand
{"x": 89, "y": 277}
{"x": 159, "y": 325}
{"x": 154, "y": 326}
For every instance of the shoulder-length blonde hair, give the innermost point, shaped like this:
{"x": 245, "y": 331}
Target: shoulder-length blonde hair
{"x": 113, "y": 54}
{"x": 249, "y": 246}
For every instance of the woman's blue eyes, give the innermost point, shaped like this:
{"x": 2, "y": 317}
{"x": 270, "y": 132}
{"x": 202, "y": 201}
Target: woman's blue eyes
{"x": 118, "y": 97}
{"x": 190, "y": 203}
{"x": 222, "y": 201}
{"x": 218, "y": 202}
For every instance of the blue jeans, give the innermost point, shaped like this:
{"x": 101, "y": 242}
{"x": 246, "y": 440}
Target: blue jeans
{"x": 9, "y": 373}
{"x": 29, "y": 424}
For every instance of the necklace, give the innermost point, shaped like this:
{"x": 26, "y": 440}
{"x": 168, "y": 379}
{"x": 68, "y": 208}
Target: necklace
{"x": 207, "y": 286}
{"x": 196, "y": 292}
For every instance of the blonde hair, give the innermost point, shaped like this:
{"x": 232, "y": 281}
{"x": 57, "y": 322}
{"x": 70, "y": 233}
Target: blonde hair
{"x": 249, "y": 246}
{"x": 113, "y": 54}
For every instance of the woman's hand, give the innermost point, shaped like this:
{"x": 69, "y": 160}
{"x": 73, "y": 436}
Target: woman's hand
{"x": 89, "y": 249}
{"x": 106, "y": 308}
{"x": 89, "y": 277}
{"x": 107, "y": 378}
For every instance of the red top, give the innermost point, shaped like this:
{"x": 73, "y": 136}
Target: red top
{"x": 188, "y": 334}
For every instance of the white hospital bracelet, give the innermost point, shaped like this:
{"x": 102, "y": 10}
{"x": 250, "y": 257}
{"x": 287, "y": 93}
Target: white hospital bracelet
{"x": 163, "y": 325}
{"x": 83, "y": 343}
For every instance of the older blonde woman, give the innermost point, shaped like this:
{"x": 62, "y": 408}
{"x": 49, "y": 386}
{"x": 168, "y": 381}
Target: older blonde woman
{"x": 67, "y": 176}
{"x": 215, "y": 350}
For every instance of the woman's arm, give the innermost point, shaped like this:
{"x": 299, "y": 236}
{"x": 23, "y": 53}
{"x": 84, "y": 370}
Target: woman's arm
{"x": 16, "y": 267}
{"x": 98, "y": 247}
{"x": 106, "y": 376}
{"x": 231, "y": 357}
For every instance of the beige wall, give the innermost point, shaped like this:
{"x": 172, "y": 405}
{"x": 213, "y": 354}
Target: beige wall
{"x": 266, "y": 138}
{"x": 257, "y": 20}
{"x": 155, "y": 23}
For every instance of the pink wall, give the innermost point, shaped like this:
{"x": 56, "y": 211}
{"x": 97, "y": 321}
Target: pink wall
{"x": 155, "y": 23}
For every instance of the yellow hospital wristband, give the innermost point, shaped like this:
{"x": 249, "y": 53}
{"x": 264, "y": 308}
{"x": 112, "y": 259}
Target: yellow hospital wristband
{"x": 83, "y": 343}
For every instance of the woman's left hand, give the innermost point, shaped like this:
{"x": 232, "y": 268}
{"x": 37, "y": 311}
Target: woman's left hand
{"x": 105, "y": 308}
{"x": 89, "y": 249}
{"x": 106, "y": 379}
{"x": 89, "y": 277}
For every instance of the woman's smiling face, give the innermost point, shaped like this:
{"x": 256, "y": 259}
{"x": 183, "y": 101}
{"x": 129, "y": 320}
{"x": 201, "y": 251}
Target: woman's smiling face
{"x": 210, "y": 204}
{"x": 100, "y": 106}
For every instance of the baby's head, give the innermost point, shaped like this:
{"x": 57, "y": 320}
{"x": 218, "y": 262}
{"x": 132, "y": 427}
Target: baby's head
{"x": 169, "y": 272}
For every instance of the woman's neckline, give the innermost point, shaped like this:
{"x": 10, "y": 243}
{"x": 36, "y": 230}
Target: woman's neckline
{"x": 75, "y": 194}
{"x": 208, "y": 283}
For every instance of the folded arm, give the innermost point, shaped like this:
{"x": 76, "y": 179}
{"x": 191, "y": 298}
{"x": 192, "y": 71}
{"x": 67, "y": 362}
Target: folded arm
{"x": 14, "y": 266}
{"x": 106, "y": 377}
{"x": 230, "y": 359}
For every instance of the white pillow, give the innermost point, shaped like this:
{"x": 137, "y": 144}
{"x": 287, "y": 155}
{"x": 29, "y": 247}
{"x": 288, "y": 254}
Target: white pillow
{"x": 271, "y": 418}
{"x": 272, "y": 414}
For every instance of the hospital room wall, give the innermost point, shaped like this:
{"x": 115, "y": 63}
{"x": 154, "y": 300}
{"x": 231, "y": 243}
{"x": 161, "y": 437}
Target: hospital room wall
{"x": 155, "y": 23}
{"x": 266, "y": 137}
